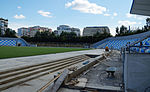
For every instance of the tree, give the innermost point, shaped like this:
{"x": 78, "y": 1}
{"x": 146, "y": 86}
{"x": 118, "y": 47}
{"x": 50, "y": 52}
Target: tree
{"x": 117, "y": 30}
{"x": 52, "y": 35}
{"x": 38, "y": 34}
{"x": 0, "y": 32}
{"x": 9, "y": 33}
{"x": 123, "y": 29}
{"x": 145, "y": 28}
{"x": 148, "y": 23}
{"x": 97, "y": 34}
{"x": 68, "y": 36}
{"x": 72, "y": 34}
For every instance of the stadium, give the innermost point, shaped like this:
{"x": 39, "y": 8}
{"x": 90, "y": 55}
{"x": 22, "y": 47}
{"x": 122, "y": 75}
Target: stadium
{"x": 115, "y": 64}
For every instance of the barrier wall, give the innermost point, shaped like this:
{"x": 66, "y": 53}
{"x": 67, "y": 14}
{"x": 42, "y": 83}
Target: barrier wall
{"x": 137, "y": 72}
{"x": 13, "y": 42}
{"x": 85, "y": 67}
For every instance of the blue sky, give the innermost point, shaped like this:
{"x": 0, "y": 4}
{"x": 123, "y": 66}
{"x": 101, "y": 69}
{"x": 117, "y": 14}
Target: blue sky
{"x": 76, "y": 13}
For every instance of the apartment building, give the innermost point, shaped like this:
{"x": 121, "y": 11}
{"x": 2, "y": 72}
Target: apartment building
{"x": 31, "y": 31}
{"x": 23, "y": 32}
{"x": 66, "y": 28}
{"x": 3, "y": 25}
{"x": 90, "y": 31}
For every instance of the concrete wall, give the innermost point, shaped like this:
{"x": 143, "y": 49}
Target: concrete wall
{"x": 137, "y": 72}
{"x": 85, "y": 67}
{"x": 12, "y": 41}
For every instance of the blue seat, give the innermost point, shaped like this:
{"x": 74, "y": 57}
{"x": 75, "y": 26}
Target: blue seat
{"x": 147, "y": 50}
{"x": 142, "y": 50}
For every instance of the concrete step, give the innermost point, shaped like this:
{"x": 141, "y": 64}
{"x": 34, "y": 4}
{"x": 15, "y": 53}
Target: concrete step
{"x": 15, "y": 80}
{"x": 29, "y": 73}
{"x": 39, "y": 64}
{"x": 5, "y": 75}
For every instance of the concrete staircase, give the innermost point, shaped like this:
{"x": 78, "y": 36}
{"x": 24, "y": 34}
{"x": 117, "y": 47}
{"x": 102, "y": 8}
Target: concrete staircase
{"x": 13, "y": 77}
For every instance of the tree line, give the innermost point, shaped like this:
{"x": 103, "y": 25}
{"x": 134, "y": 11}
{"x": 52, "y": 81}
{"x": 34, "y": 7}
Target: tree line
{"x": 8, "y": 33}
{"x": 123, "y": 31}
{"x": 71, "y": 37}
{"x": 66, "y": 37}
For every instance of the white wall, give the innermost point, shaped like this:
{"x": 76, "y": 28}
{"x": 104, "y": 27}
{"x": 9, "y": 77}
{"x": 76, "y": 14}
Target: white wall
{"x": 137, "y": 72}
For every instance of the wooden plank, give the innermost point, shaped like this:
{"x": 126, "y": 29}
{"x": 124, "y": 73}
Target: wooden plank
{"x": 54, "y": 85}
{"x": 49, "y": 83}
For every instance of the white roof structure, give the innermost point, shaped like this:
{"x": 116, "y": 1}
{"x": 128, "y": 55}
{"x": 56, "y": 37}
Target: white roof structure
{"x": 140, "y": 7}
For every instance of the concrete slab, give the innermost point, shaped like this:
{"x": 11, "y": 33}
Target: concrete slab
{"x": 82, "y": 82}
{"x": 33, "y": 85}
{"x": 103, "y": 87}
{"x": 36, "y": 84}
{"x": 68, "y": 90}
{"x": 98, "y": 78}
{"x": 24, "y": 61}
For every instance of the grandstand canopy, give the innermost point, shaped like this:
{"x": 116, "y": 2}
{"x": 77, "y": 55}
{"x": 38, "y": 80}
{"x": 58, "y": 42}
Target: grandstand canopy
{"x": 141, "y": 7}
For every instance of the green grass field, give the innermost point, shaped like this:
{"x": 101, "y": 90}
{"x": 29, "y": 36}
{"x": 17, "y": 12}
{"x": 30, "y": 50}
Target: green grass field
{"x": 10, "y": 52}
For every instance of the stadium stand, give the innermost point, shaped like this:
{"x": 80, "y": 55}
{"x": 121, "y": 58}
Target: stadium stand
{"x": 143, "y": 46}
{"x": 13, "y": 42}
{"x": 126, "y": 41}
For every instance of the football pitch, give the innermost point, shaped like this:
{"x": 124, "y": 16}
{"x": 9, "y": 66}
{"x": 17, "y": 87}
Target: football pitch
{"x": 11, "y": 52}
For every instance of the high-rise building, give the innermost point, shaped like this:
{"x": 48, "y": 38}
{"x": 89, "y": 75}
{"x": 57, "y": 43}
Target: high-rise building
{"x": 35, "y": 29}
{"x": 66, "y": 28}
{"x": 90, "y": 31}
{"x": 31, "y": 31}
{"x": 76, "y": 30}
{"x": 3, "y": 25}
{"x": 23, "y": 32}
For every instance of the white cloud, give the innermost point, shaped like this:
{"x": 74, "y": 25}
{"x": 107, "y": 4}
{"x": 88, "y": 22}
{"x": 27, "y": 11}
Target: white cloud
{"x": 19, "y": 16}
{"x": 130, "y": 15}
{"x": 139, "y": 17}
{"x": 115, "y": 14}
{"x": 140, "y": 23}
{"x": 106, "y": 14}
{"x": 112, "y": 30}
{"x": 45, "y": 14}
{"x": 85, "y": 6}
{"x": 126, "y": 23}
{"x": 19, "y": 7}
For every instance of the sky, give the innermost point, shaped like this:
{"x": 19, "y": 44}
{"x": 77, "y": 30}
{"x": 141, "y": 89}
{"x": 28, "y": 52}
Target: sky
{"x": 75, "y": 13}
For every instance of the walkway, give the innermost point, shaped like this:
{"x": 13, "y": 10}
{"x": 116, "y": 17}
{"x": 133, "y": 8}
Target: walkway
{"x": 24, "y": 61}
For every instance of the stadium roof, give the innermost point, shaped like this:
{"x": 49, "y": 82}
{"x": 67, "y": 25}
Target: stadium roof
{"x": 141, "y": 7}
